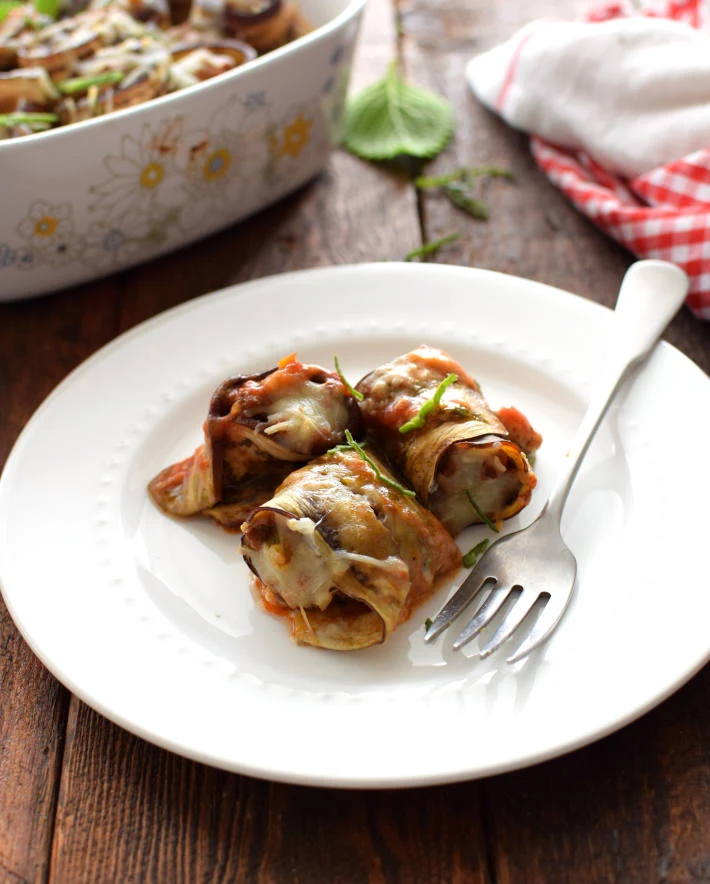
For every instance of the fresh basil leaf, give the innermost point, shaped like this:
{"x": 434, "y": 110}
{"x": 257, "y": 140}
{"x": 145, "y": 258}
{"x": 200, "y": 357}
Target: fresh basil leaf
{"x": 479, "y": 512}
{"x": 465, "y": 173}
{"x": 391, "y": 483}
{"x": 462, "y": 199}
{"x": 431, "y": 248}
{"x": 419, "y": 419}
{"x": 356, "y": 394}
{"x": 474, "y": 554}
{"x": 489, "y": 172}
{"x": 392, "y": 118}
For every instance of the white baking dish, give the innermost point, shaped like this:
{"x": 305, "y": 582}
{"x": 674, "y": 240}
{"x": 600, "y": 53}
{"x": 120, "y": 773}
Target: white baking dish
{"x": 88, "y": 199}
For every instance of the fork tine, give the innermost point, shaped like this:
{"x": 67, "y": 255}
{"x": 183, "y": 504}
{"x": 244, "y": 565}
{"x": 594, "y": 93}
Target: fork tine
{"x": 544, "y": 627}
{"x": 463, "y": 596}
{"x": 512, "y": 621}
{"x": 483, "y": 616}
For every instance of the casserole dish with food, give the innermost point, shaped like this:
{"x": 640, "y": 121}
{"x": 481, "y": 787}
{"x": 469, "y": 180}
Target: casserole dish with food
{"x": 108, "y": 192}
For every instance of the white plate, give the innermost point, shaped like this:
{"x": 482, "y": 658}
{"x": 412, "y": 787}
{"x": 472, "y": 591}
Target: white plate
{"x": 150, "y": 620}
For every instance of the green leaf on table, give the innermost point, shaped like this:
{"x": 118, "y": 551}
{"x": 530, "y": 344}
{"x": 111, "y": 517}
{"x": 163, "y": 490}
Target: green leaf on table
{"x": 392, "y": 118}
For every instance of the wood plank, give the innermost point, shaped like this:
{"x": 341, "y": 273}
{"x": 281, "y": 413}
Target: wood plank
{"x": 41, "y": 341}
{"x": 631, "y": 808}
{"x": 154, "y": 817}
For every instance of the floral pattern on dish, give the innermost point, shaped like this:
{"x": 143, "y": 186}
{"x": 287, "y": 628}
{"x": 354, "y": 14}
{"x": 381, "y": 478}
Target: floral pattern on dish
{"x": 216, "y": 164}
{"x": 45, "y": 225}
{"x": 169, "y": 179}
{"x": 142, "y": 184}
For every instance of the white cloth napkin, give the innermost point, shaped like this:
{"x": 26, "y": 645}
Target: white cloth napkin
{"x": 633, "y": 93}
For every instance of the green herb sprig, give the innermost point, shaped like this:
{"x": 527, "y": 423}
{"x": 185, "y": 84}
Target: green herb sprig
{"x": 48, "y": 7}
{"x": 427, "y": 623}
{"x": 358, "y": 449}
{"x": 419, "y": 419}
{"x": 481, "y": 515}
{"x": 353, "y": 392}
{"x": 6, "y": 7}
{"x": 474, "y": 554}
{"x": 458, "y": 187}
{"x": 394, "y": 118}
{"x": 430, "y": 248}
{"x": 82, "y": 84}
{"x": 36, "y": 121}
{"x": 466, "y": 174}
{"x": 462, "y": 199}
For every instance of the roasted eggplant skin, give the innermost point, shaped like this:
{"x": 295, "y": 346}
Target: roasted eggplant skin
{"x": 342, "y": 556}
{"x": 463, "y": 449}
{"x": 258, "y": 428}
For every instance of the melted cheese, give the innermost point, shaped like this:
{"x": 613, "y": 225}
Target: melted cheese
{"x": 314, "y": 568}
{"x": 310, "y": 414}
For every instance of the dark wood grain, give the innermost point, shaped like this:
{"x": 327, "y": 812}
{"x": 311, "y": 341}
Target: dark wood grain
{"x": 632, "y": 808}
{"x": 134, "y": 813}
{"x": 41, "y": 342}
{"x": 83, "y": 801}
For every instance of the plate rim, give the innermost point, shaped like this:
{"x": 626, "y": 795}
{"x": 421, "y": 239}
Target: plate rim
{"x": 270, "y": 771}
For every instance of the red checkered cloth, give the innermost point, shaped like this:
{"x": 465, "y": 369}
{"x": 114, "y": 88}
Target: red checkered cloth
{"x": 664, "y": 213}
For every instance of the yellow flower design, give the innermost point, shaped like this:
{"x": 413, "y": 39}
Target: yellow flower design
{"x": 142, "y": 184}
{"x": 296, "y": 136}
{"x": 152, "y": 175}
{"x": 216, "y": 164}
{"x": 47, "y": 226}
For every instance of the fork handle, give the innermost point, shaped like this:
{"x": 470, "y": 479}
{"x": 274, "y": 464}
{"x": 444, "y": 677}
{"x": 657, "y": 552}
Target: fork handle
{"x": 651, "y": 294}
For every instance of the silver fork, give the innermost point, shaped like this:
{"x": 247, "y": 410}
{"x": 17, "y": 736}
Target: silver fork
{"x": 534, "y": 564}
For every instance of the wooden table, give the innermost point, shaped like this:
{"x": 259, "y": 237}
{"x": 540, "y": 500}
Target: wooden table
{"x": 83, "y": 801}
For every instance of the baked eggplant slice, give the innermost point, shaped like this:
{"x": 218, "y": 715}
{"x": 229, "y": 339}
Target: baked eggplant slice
{"x": 429, "y": 416}
{"x": 343, "y": 552}
{"x": 258, "y": 429}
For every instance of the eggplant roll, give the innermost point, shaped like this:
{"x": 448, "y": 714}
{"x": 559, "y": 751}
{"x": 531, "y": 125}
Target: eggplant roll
{"x": 463, "y": 459}
{"x": 258, "y": 429}
{"x": 343, "y": 556}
